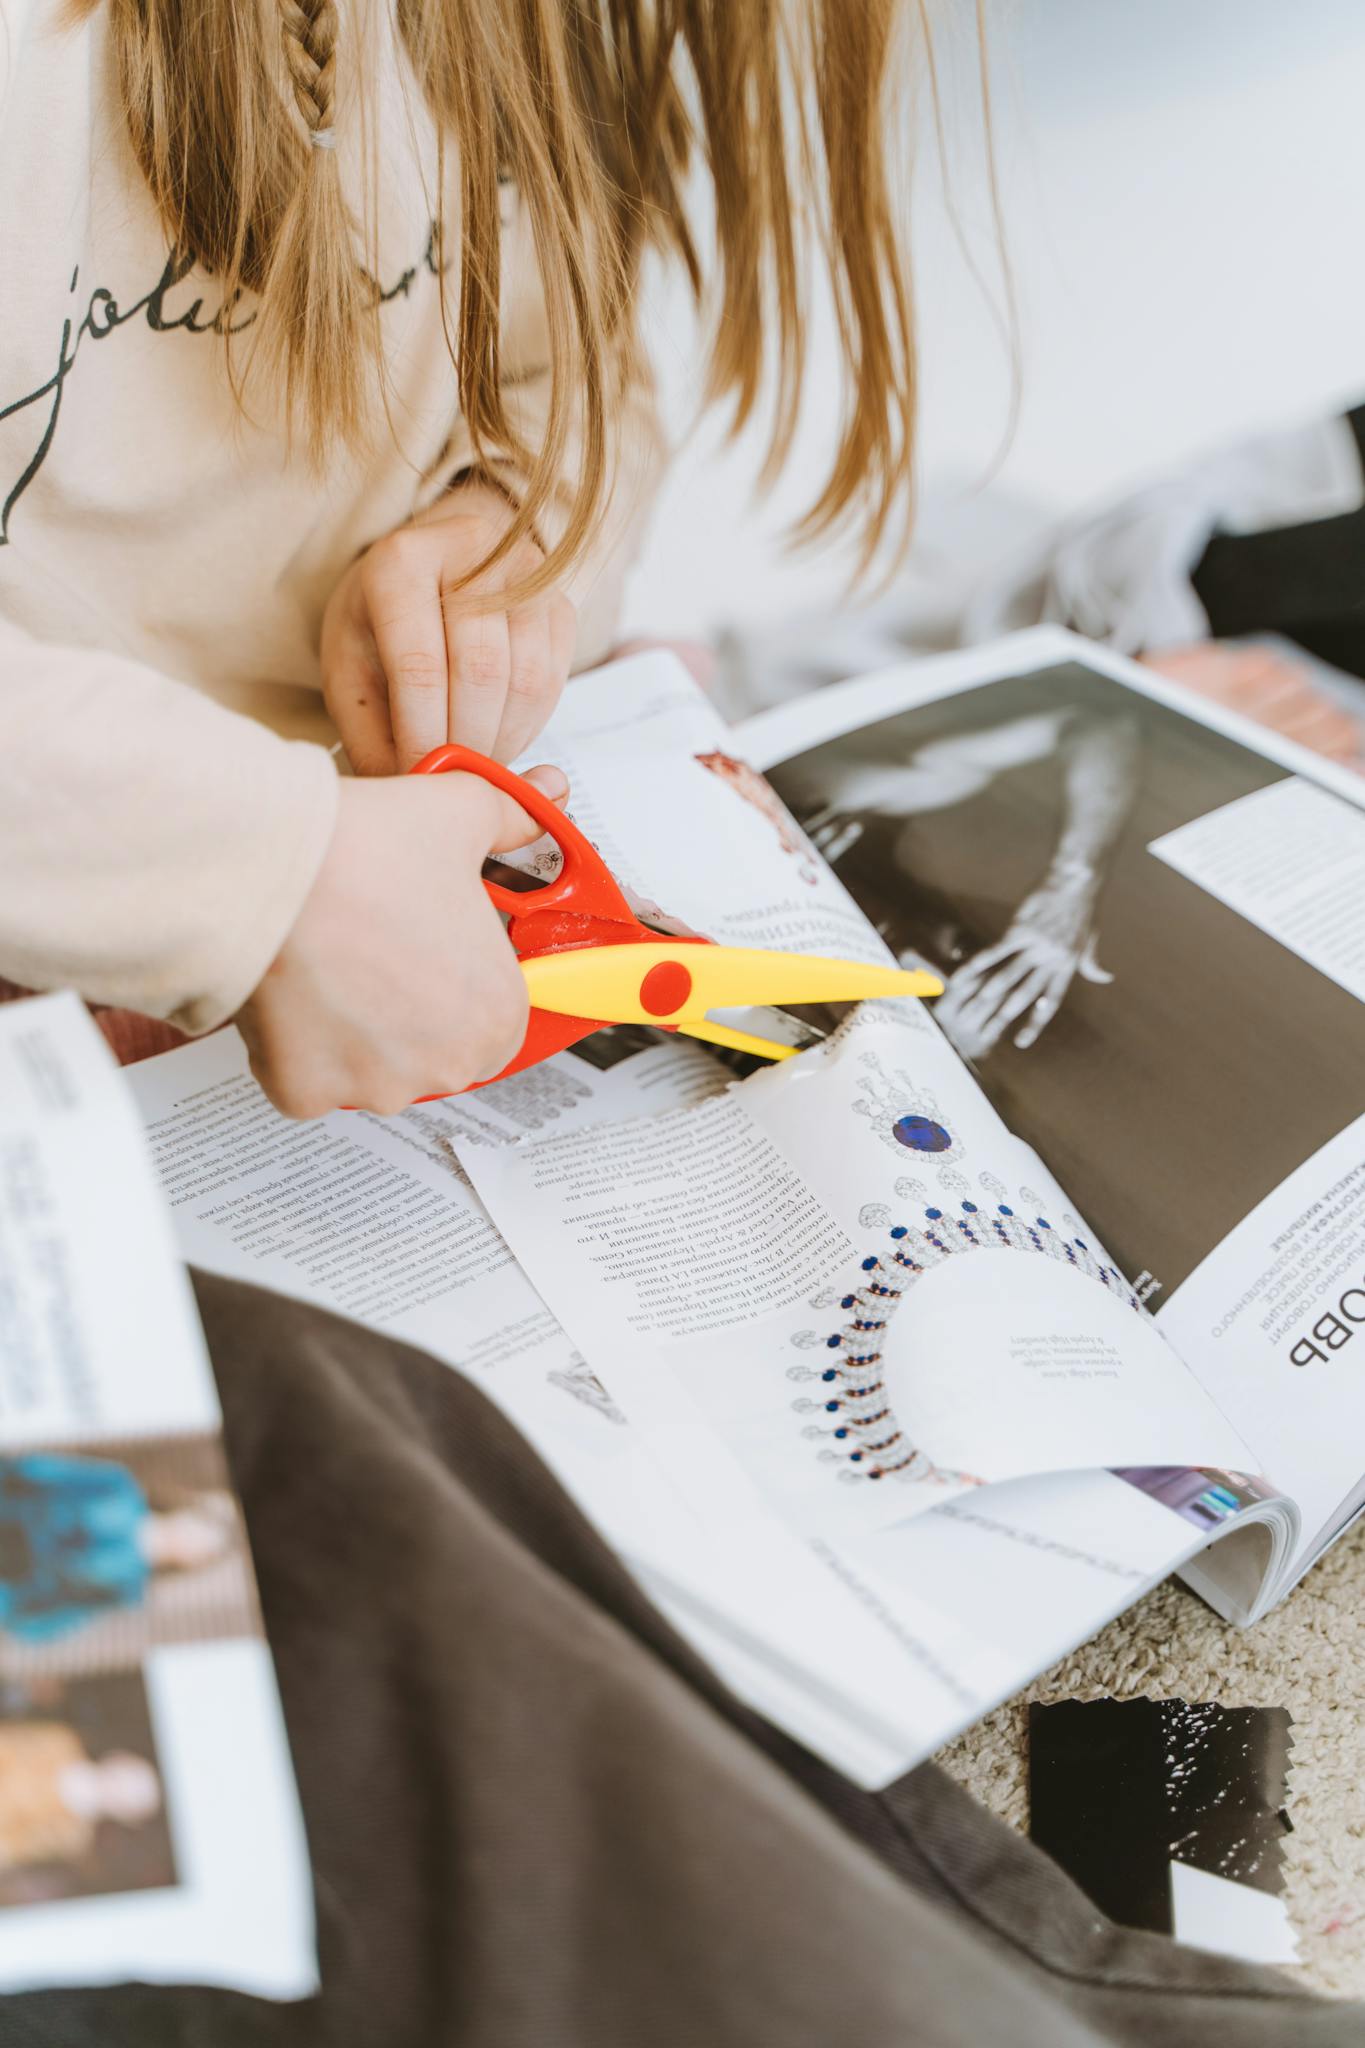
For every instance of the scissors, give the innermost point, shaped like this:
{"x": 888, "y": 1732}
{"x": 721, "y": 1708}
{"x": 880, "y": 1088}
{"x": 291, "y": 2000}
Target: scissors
{"x": 590, "y": 962}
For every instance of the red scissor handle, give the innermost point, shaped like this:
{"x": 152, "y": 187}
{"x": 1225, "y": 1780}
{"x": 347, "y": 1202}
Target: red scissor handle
{"x": 582, "y": 906}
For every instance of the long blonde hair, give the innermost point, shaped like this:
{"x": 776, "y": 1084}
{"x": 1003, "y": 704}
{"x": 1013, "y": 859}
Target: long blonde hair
{"x": 597, "y": 112}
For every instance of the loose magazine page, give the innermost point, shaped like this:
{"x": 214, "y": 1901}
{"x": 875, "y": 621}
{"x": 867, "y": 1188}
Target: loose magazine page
{"x": 149, "y": 1824}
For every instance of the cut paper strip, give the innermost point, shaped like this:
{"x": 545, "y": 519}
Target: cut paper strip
{"x": 1169, "y": 1815}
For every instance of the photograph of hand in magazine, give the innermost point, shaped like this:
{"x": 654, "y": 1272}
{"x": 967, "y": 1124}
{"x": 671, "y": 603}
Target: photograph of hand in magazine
{"x": 1147, "y": 1039}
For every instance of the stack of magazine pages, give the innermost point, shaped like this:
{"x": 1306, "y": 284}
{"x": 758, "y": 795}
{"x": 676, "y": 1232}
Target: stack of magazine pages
{"x": 896, "y": 1369}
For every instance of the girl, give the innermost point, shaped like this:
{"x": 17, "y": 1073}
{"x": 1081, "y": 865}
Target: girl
{"x": 322, "y": 413}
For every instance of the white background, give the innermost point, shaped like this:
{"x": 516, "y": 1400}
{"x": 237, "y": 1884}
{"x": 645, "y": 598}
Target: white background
{"x": 1184, "y": 191}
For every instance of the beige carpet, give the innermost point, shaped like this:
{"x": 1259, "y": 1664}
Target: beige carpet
{"x": 1308, "y": 1656}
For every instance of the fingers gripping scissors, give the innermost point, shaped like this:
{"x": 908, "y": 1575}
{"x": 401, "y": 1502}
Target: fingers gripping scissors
{"x": 590, "y": 962}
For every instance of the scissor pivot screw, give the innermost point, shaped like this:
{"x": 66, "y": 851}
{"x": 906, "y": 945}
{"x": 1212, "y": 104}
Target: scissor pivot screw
{"x": 665, "y": 988}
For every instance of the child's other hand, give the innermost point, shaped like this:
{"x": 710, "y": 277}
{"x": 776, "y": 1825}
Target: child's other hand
{"x": 397, "y": 979}
{"x": 406, "y": 665}
{"x": 1265, "y": 685}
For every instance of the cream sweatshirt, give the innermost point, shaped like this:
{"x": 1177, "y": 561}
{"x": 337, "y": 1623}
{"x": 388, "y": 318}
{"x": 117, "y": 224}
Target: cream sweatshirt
{"x": 166, "y": 791}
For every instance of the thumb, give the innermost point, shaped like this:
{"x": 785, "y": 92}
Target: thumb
{"x": 512, "y": 826}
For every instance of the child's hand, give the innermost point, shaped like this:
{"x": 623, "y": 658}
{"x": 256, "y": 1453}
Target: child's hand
{"x": 406, "y": 666}
{"x": 397, "y": 979}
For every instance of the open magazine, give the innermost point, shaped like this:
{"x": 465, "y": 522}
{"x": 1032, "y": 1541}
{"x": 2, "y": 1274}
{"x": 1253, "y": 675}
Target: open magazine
{"x": 896, "y": 1369}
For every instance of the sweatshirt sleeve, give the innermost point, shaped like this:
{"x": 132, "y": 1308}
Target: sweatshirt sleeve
{"x": 155, "y": 848}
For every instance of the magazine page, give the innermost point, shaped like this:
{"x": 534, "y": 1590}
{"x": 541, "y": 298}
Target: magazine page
{"x": 374, "y": 1218}
{"x": 981, "y": 1593}
{"x": 149, "y": 1824}
{"x": 1272, "y": 1317}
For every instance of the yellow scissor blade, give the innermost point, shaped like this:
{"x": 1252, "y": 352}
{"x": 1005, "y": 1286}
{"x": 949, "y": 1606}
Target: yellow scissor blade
{"x": 729, "y": 975}
{"x": 740, "y": 1041}
{"x": 668, "y": 983}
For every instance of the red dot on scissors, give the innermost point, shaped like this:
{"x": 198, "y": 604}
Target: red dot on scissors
{"x": 665, "y": 988}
